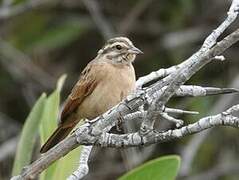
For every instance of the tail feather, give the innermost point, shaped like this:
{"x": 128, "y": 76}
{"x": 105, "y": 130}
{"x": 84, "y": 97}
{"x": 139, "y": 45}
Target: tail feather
{"x": 59, "y": 134}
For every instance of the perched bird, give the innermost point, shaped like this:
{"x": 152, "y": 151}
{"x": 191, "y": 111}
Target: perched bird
{"x": 105, "y": 81}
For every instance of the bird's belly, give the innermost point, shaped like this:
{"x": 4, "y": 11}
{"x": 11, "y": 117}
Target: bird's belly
{"x": 105, "y": 96}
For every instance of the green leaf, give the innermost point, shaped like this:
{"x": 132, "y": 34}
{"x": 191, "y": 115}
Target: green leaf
{"x": 60, "y": 83}
{"x": 49, "y": 122}
{"x": 51, "y": 110}
{"x": 163, "y": 168}
{"x": 62, "y": 168}
{"x": 28, "y": 136}
{"x": 68, "y": 164}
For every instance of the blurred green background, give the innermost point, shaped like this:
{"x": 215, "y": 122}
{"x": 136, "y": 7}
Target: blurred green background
{"x": 41, "y": 40}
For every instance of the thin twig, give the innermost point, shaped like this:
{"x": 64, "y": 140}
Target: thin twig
{"x": 102, "y": 24}
{"x": 90, "y": 133}
{"x": 21, "y": 66}
{"x": 131, "y": 17}
{"x": 156, "y": 97}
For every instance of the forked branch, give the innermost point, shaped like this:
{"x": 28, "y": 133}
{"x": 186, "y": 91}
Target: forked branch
{"x": 148, "y": 104}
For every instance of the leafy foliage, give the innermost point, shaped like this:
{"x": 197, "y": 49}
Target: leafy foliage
{"x": 28, "y": 136}
{"x": 61, "y": 36}
{"x": 163, "y": 168}
{"x": 43, "y": 117}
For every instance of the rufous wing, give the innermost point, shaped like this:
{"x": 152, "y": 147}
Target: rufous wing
{"x": 83, "y": 88}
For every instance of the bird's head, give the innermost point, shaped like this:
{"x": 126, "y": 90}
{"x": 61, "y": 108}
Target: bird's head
{"x": 119, "y": 50}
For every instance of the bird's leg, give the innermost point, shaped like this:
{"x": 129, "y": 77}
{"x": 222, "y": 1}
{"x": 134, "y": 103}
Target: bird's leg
{"x": 119, "y": 123}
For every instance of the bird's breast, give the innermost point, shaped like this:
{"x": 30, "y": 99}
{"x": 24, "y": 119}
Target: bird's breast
{"x": 114, "y": 84}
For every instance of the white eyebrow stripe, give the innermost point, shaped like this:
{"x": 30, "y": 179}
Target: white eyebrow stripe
{"x": 106, "y": 47}
{"x": 124, "y": 39}
{"x": 119, "y": 43}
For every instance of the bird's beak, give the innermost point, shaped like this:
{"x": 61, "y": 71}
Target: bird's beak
{"x": 135, "y": 50}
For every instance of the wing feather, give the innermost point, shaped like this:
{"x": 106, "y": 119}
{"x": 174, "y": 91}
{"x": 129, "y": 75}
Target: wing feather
{"x": 83, "y": 88}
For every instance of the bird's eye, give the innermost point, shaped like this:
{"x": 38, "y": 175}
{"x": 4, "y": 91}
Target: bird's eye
{"x": 119, "y": 47}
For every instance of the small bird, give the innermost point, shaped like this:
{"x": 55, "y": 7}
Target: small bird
{"x": 104, "y": 82}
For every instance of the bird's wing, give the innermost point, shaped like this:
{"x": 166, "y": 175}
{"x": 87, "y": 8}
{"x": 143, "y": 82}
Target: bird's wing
{"x": 83, "y": 88}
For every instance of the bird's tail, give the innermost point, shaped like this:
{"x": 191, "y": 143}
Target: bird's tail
{"x": 59, "y": 134}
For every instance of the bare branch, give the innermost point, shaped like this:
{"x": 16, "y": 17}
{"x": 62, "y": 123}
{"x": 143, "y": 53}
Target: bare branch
{"x": 155, "y": 75}
{"x": 21, "y": 65}
{"x": 128, "y": 140}
{"x": 135, "y": 139}
{"x": 131, "y": 17}
{"x": 8, "y": 10}
{"x": 154, "y": 99}
{"x": 179, "y": 111}
{"x": 8, "y": 148}
{"x": 187, "y": 90}
{"x": 178, "y": 122}
{"x": 103, "y": 25}
{"x": 190, "y": 150}
{"x": 83, "y": 168}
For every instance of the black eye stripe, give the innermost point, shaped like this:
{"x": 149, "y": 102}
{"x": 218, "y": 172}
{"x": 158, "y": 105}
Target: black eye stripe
{"x": 106, "y": 50}
{"x": 110, "y": 48}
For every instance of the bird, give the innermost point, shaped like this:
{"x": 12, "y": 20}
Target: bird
{"x": 105, "y": 81}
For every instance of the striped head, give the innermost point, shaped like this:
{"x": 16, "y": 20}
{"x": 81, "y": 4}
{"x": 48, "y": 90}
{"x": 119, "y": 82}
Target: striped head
{"x": 119, "y": 50}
